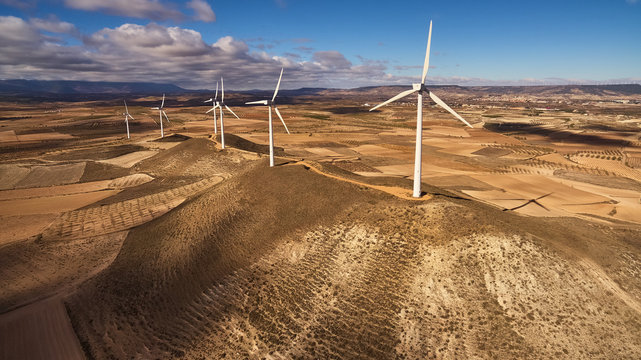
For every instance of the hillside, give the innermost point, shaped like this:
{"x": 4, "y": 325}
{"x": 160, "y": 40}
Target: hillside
{"x": 287, "y": 263}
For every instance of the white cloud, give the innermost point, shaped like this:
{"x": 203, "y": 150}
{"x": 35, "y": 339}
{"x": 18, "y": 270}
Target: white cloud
{"x": 157, "y": 53}
{"x": 331, "y": 60}
{"x": 202, "y": 10}
{"x": 150, "y": 40}
{"x": 15, "y": 31}
{"x": 54, "y": 25}
{"x": 144, "y": 9}
{"x": 230, "y": 46}
{"x": 28, "y": 53}
{"x": 153, "y": 52}
{"x": 21, "y": 4}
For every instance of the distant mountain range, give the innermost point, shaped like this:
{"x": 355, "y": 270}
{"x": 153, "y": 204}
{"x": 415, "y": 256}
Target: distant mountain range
{"x": 63, "y": 87}
{"x": 86, "y": 88}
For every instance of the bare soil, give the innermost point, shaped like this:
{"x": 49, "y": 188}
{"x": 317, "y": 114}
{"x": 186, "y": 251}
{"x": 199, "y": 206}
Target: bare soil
{"x": 296, "y": 270}
{"x": 198, "y": 252}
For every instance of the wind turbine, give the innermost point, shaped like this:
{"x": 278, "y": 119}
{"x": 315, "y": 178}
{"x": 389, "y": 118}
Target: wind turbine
{"x": 161, "y": 112}
{"x": 221, "y": 105}
{"x": 214, "y": 105}
{"x": 127, "y": 116}
{"x": 421, "y": 89}
{"x": 272, "y": 103}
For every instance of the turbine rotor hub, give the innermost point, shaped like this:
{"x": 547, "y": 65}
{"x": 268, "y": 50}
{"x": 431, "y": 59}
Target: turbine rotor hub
{"x": 420, "y": 87}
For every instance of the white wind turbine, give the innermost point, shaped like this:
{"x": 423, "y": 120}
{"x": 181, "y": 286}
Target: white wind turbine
{"x": 127, "y": 116}
{"x": 214, "y": 106}
{"x": 161, "y": 112}
{"x": 272, "y": 103}
{"x": 221, "y": 105}
{"x": 421, "y": 89}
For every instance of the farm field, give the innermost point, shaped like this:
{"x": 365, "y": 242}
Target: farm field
{"x": 526, "y": 243}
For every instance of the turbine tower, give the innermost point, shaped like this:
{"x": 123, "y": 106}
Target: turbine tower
{"x": 127, "y": 116}
{"x": 421, "y": 89}
{"x": 272, "y": 103}
{"x": 214, "y": 106}
{"x": 221, "y": 105}
{"x": 162, "y": 112}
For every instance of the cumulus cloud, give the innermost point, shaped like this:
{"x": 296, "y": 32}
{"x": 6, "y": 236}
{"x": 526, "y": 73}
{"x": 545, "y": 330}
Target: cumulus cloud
{"x": 28, "y": 53}
{"x": 15, "y": 31}
{"x": 149, "y": 40}
{"x": 20, "y": 4}
{"x": 158, "y": 53}
{"x": 54, "y": 25}
{"x": 144, "y": 9}
{"x": 202, "y": 10}
{"x": 331, "y": 60}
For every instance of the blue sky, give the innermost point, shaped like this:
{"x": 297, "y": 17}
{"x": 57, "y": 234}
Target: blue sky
{"x": 321, "y": 44}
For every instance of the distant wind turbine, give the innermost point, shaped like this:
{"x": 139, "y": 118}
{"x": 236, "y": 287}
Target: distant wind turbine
{"x": 127, "y": 116}
{"x": 162, "y": 112}
{"x": 214, "y": 106}
{"x": 221, "y": 105}
{"x": 421, "y": 89}
{"x": 272, "y": 103}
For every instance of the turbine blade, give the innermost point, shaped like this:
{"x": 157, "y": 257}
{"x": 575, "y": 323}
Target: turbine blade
{"x": 281, "y": 119}
{"x": 401, "y": 95}
{"x": 210, "y": 100}
{"x": 210, "y": 110}
{"x": 228, "y": 109}
{"x": 155, "y": 108}
{"x": 216, "y": 96}
{"x": 222, "y": 88}
{"x": 132, "y": 118}
{"x": 164, "y": 113}
{"x": 444, "y": 106}
{"x": 163, "y": 101}
{"x": 278, "y": 85}
{"x": 126, "y": 109}
{"x": 262, "y": 102}
{"x": 426, "y": 64}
